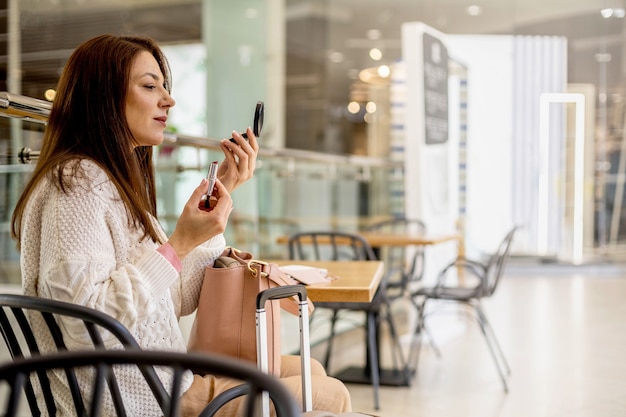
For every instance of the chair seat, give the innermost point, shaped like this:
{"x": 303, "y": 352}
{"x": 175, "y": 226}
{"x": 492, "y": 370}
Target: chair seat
{"x": 449, "y": 293}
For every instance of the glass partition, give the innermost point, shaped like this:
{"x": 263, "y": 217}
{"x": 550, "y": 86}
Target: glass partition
{"x": 331, "y": 71}
{"x": 291, "y": 191}
{"x": 13, "y": 175}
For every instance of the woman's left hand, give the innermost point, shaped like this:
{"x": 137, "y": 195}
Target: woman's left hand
{"x": 238, "y": 166}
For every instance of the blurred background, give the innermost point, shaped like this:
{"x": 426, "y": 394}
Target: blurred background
{"x": 533, "y": 99}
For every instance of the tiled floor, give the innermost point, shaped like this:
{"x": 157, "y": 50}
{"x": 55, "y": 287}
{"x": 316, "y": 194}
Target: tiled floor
{"x": 563, "y": 332}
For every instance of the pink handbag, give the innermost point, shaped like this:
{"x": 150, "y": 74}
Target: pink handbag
{"x": 225, "y": 321}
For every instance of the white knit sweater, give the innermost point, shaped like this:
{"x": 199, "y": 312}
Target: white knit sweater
{"x": 79, "y": 247}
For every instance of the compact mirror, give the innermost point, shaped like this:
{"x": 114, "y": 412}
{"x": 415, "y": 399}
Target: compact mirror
{"x": 257, "y": 126}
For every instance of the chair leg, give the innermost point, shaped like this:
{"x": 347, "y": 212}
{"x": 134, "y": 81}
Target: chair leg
{"x": 431, "y": 340}
{"x": 397, "y": 354}
{"x": 429, "y": 335}
{"x": 494, "y": 338}
{"x": 484, "y": 325}
{"x": 416, "y": 341}
{"x": 373, "y": 352}
{"x": 331, "y": 339}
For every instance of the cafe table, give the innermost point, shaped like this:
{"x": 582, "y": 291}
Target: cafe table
{"x": 352, "y": 281}
{"x": 377, "y": 240}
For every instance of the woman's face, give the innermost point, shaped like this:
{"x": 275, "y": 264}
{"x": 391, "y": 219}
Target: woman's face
{"x": 147, "y": 101}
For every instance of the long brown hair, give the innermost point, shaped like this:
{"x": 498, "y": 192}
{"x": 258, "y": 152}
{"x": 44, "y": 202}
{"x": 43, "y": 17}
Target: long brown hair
{"x": 88, "y": 120}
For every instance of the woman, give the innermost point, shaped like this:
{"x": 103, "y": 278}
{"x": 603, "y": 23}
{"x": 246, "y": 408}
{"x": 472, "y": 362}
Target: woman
{"x": 86, "y": 222}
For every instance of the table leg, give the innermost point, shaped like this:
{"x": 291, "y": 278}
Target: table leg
{"x": 362, "y": 375}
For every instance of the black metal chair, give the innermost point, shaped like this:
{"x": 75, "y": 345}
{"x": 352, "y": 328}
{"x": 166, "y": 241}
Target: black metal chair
{"x": 17, "y": 375}
{"x": 16, "y": 315}
{"x": 404, "y": 266}
{"x": 474, "y": 281}
{"x": 337, "y": 246}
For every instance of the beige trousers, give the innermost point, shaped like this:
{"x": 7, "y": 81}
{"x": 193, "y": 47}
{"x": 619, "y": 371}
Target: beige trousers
{"x": 329, "y": 394}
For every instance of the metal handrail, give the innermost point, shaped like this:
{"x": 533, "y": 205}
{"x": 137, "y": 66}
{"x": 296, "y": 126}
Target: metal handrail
{"x": 23, "y": 107}
{"x": 285, "y": 153}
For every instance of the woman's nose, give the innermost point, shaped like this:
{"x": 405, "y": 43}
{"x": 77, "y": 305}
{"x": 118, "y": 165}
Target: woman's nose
{"x": 168, "y": 100}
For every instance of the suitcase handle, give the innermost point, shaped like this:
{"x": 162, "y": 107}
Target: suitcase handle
{"x": 305, "y": 353}
{"x": 280, "y": 292}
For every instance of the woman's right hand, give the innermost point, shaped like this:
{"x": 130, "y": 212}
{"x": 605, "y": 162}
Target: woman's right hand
{"x": 195, "y": 225}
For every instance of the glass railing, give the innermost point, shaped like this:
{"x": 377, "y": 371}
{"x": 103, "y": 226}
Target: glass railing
{"x": 292, "y": 190}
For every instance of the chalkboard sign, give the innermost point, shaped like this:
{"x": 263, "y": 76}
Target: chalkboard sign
{"x": 435, "y": 90}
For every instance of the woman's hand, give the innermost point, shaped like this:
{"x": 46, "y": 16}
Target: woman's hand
{"x": 238, "y": 166}
{"x": 196, "y": 225}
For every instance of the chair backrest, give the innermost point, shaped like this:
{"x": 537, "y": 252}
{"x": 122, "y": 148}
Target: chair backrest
{"x": 101, "y": 364}
{"x": 16, "y": 313}
{"x": 406, "y": 262}
{"x": 329, "y": 246}
{"x": 497, "y": 263}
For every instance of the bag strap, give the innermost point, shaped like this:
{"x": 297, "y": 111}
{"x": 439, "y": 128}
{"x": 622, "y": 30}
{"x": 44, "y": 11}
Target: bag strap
{"x": 273, "y": 273}
{"x": 280, "y": 278}
{"x": 241, "y": 256}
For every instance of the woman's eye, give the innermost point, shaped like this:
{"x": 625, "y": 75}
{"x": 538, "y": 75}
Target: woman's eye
{"x": 150, "y": 87}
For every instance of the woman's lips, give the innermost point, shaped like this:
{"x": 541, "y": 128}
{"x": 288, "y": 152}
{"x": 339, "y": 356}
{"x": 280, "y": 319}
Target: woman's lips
{"x": 162, "y": 120}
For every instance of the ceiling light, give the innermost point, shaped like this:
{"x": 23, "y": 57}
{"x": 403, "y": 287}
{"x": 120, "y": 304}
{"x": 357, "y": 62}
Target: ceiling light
{"x": 474, "y": 10}
{"x": 372, "y": 76}
{"x": 366, "y": 76}
{"x": 617, "y": 12}
{"x": 370, "y": 107}
{"x": 384, "y": 71}
{"x": 354, "y": 107}
{"x": 50, "y": 94}
{"x": 376, "y": 54}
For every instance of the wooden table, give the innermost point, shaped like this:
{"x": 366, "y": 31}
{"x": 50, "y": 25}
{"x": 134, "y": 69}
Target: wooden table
{"x": 356, "y": 281}
{"x": 377, "y": 239}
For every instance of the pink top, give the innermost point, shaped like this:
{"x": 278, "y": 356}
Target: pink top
{"x": 168, "y": 253}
